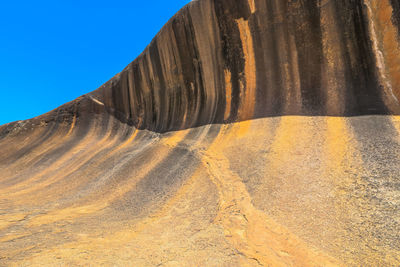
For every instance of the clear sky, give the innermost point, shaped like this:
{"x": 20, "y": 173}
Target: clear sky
{"x": 51, "y": 52}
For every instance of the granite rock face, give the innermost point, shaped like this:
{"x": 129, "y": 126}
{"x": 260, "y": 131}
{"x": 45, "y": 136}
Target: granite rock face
{"x": 249, "y": 132}
{"x": 228, "y": 61}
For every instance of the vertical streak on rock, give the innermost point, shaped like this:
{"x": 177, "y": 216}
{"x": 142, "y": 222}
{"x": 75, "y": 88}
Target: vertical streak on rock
{"x": 396, "y": 14}
{"x": 268, "y": 80}
{"x": 132, "y": 101}
{"x": 147, "y": 91}
{"x": 246, "y": 109}
{"x": 387, "y": 95}
{"x": 209, "y": 58}
{"x": 153, "y": 81}
{"x": 159, "y": 88}
{"x": 125, "y": 95}
{"x": 128, "y": 97}
{"x": 287, "y": 59}
{"x": 228, "y": 92}
{"x": 138, "y": 109}
{"x": 334, "y": 69}
{"x": 347, "y": 49}
{"x": 186, "y": 71}
{"x": 293, "y": 104}
{"x": 73, "y": 122}
{"x": 118, "y": 99}
{"x": 252, "y": 6}
{"x": 227, "y": 13}
{"x": 143, "y": 88}
{"x": 363, "y": 93}
{"x": 305, "y": 19}
{"x": 387, "y": 51}
{"x": 170, "y": 62}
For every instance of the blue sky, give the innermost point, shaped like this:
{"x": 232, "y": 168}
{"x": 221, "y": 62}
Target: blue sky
{"x": 51, "y": 52}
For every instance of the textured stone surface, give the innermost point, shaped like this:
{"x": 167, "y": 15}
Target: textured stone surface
{"x": 259, "y": 132}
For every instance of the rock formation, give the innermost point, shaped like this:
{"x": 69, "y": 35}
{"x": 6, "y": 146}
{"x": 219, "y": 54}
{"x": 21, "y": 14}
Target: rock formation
{"x": 249, "y": 132}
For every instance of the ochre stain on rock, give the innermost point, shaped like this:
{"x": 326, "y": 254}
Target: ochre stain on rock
{"x": 248, "y": 89}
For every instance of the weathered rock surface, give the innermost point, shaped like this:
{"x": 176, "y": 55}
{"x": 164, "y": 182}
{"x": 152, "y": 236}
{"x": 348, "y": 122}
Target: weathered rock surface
{"x": 249, "y": 132}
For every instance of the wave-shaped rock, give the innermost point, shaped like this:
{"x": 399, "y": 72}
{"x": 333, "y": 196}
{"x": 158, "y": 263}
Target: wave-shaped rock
{"x": 227, "y": 61}
{"x": 249, "y": 132}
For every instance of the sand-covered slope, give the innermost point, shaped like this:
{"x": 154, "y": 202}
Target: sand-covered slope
{"x": 259, "y": 132}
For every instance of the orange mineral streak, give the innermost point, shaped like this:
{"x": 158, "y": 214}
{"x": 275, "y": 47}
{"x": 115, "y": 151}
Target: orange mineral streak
{"x": 73, "y": 124}
{"x": 248, "y": 91}
{"x": 228, "y": 92}
{"x": 252, "y": 6}
{"x": 396, "y": 124}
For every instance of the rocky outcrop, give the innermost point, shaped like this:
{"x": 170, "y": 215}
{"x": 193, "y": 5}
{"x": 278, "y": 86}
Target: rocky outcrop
{"x": 227, "y": 61}
{"x": 249, "y": 132}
